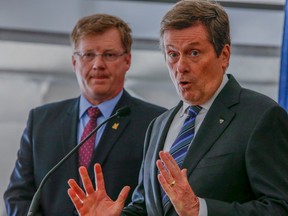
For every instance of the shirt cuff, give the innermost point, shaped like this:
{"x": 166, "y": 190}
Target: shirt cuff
{"x": 203, "y": 211}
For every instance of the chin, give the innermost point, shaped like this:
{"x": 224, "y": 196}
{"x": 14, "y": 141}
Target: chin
{"x": 191, "y": 99}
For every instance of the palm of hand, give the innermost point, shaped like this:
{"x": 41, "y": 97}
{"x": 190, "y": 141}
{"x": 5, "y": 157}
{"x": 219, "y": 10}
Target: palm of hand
{"x": 95, "y": 202}
{"x": 99, "y": 204}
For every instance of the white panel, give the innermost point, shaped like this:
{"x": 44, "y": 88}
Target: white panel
{"x": 248, "y": 26}
{"x": 256, "y": 27}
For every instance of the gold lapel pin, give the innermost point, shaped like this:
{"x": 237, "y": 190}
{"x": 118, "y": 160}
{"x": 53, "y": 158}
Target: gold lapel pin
{"x": 221, "y": 121}
{"x": 115, "y": 126}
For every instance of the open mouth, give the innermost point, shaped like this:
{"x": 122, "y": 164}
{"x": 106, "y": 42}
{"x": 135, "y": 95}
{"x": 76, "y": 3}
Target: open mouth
{"x": 184, "y": 84}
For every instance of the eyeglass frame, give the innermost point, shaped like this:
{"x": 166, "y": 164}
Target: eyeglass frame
{"x": 104, "y": 55}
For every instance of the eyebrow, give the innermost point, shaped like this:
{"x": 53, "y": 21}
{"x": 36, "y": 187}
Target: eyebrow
{"x": 93, "y": 50}
{"x": 170, "y": 46}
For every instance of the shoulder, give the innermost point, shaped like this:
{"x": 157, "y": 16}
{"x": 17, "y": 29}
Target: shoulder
{"x": 234, "y": 95}
{"x": 262, "y": 106}
{"x": 142, "y": 111}
{"x": 146, "y": 106}
{"x": 254, "y": 97}
{"x": 256, "y": 103}
{"x": 141, "y": 106}
{"x": 56, "y": 108}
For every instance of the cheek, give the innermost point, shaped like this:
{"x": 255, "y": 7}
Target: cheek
{"x": 205, "y": 71}
{"x": 171, "y": 70}
{"x": 117, "y": 74}
{"x": 173, "y": 79}
{"x": 78, "y": 71}
{"x": 172, "y": 75}
{"x": 84, "y": 70}
{"x": 212, "y": 71}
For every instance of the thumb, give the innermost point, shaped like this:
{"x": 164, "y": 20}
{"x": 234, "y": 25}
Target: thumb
{"x": 123, "y": 195}
{"x": 184, "y": 172}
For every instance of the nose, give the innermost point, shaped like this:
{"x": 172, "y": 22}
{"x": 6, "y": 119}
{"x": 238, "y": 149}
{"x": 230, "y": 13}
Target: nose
{"x": 98, "y": 62}
{"x": 182, "y": 64}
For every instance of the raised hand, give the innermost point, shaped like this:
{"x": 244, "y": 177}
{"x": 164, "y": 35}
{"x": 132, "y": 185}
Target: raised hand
{"x": 175, "y": 183}
{"x": 95, "y": 202}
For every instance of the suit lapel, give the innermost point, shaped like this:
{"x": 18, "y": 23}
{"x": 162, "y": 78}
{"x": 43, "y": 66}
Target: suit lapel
{"x": 164, "y": 128}
{"x": 111, "y": 133}
{"x": 216, "y": 121}
{"x": 69, "y": 137}
{"x": 113, "y": 130}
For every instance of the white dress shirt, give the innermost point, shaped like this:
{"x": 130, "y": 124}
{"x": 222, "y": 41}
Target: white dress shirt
{"x": 177, "y": 123}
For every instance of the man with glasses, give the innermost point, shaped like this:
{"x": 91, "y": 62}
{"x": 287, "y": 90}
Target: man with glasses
{"x": 101, "y": 59}
{"x": 222, "y": 151}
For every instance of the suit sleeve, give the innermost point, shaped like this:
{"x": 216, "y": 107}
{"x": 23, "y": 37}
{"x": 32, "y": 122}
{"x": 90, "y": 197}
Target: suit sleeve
{"x": 138, "y": 207}
{"x": 267, "y": 169}
{"x": 21, "y": 187}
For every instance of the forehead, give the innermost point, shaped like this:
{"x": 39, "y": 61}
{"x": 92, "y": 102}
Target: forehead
{"x": 110, "y": 39}
{"x": 196, "y": 34}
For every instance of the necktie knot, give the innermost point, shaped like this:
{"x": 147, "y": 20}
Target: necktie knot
{"x": 194, "y": 110}
{"x": 93, "y": 112}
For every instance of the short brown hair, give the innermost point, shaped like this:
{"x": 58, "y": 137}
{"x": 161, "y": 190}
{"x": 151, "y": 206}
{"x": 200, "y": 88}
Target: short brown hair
{"x": 99, "y": 23}
{"x": 187, "y": 13}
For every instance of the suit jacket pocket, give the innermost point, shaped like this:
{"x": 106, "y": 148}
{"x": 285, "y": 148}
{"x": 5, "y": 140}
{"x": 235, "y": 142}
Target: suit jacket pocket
{"x": 215, "y": 160}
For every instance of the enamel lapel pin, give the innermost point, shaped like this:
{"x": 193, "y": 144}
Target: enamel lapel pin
{"x": 221, "y": 120}
{"x": 115, "y": 126}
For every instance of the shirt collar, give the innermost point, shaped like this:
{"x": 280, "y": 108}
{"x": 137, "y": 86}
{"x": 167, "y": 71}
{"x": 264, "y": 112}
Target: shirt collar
{"x": 106, "y": 107}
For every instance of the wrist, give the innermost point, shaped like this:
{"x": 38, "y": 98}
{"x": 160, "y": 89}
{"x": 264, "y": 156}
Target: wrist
{"x": 195, "y": 206}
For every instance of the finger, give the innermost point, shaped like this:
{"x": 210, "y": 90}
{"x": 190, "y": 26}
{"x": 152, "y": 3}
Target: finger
{"x": 75, "y": 199}
{"x": 123, "y": 195}
{"x": 86, "y": 180}
{"x": 169, "y": 160}
{"x": 160, "y": 166}
{"x": 172, "y": 160}
{"x": 164, "y": 172}
{"x": 184, "y": 177}
{"x": 170, "y": 164}
{"x": 184, "y": 172}
{"x": 77, "y": 190}
{"x": 99, "y": 179}
{"x": 165, "y": 186}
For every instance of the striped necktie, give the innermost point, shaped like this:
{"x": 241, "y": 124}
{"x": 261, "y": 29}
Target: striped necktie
{"x": 181, "y": 144}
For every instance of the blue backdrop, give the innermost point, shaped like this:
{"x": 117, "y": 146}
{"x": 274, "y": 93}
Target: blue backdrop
{"x": 283, "y": 82}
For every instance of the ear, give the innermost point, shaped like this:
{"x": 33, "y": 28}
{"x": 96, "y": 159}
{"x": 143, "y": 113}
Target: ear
{"x": 128, "y": 60}
{"x": 225, "y": 56}
{"x": 73, "y": 62}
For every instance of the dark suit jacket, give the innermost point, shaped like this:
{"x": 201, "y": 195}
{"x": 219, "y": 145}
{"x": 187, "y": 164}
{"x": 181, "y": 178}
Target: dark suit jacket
{"x": 51, "y": 133}
{"x": 239, "y": 166}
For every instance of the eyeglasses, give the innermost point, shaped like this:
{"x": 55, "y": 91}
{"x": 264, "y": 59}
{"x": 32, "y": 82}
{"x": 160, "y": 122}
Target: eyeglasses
{"x": 106, "y": 56}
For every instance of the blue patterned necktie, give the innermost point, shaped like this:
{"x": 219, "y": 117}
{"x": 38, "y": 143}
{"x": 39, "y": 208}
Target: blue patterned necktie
{"x": 181, "y": 144}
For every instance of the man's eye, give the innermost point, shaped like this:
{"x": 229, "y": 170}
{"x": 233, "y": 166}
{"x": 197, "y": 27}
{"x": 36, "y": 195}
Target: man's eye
{"x": 194, "y": 53}
{"x": 109, "y": 55}
{"x": 89, "y": 55}
{"x": 172, "y": 54}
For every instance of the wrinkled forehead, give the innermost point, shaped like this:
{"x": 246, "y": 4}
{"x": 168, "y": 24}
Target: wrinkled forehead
{"x": 192, "y": 35}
